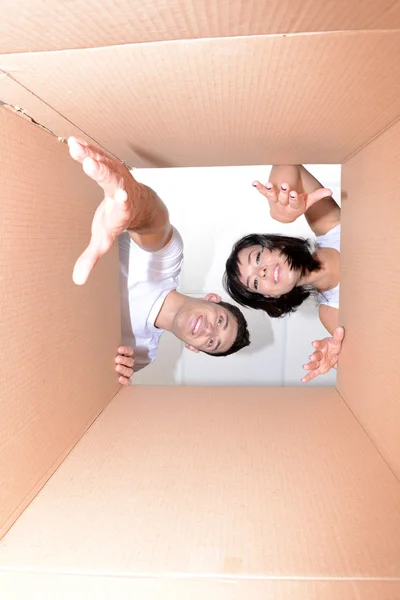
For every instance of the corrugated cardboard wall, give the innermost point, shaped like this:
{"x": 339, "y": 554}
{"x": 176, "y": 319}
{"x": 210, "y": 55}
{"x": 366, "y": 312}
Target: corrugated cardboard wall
{"x": 16, "y": 95}
{"x": 57, "y": 340}
{"x": 370, "y": 299}
{"x": 224, "y": 489}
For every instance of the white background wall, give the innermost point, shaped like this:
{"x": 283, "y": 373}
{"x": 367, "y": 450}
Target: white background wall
{"x": 212, "y": 208}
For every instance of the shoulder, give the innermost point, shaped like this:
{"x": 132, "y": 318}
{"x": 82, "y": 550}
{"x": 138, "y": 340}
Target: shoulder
{"x": 175, "y": 244}
{"x": 330, "y": 239}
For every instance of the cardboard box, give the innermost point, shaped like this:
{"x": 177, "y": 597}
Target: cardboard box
{"x": 188, "y": 492}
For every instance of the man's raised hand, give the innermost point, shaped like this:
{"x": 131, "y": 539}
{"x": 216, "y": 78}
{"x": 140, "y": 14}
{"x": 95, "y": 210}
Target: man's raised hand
{"x": 115, "y": 212}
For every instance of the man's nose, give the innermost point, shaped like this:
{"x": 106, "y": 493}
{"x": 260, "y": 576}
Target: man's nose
{"x": 209, "y": 327}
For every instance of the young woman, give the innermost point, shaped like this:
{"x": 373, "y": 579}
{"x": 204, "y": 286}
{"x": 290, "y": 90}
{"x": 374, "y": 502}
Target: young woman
{"x": 276, "y": 273}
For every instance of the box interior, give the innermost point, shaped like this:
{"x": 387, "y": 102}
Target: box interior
{"x": 234, "y": 493}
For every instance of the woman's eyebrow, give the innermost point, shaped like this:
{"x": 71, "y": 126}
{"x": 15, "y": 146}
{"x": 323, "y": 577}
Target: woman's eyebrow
{"x": 248, "y": 260}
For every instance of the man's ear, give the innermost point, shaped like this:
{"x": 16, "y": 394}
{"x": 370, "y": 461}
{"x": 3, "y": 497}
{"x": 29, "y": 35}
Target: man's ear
{"x": 191, "y": 348}
{"x": 213, "y": 298}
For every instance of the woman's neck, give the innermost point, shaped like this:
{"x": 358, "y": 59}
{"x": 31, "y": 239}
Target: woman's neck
{"x": 328, "y": 275}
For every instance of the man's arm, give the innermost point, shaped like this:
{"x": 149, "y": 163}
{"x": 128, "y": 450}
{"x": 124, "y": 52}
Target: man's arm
{"x": 151, "y": 229}
{"x": 292, "y": 191}
{"x": 127, "y": 205}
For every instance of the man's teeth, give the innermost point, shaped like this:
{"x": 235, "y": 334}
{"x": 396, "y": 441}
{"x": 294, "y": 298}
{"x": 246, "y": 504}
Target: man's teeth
{"x": 197, "y": 325}
{"x": 276, "y": 273}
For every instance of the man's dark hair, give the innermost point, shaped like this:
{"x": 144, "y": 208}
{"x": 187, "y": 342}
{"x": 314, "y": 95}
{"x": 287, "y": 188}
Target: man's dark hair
{"x": 298, "y": 254}
{"x": 242, "y": 337}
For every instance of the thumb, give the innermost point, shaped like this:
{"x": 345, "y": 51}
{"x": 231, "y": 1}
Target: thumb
{"x": 85, "y": 264}
{"x": 318, "y": 195}
{"x": 338, "y": 335}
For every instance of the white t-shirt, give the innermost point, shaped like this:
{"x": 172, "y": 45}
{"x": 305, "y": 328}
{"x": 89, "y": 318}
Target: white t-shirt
{"x": 331, "y": 239}
{"x": 146, "y": 278}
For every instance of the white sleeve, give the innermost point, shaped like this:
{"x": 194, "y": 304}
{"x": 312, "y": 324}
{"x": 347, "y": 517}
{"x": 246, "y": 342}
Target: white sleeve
{"x": 167, "y": 262}
{"x": 142, "y": 265}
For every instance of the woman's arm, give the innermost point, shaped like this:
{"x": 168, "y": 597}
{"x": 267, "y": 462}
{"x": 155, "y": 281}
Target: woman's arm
{"x": 323, "y": 215}
{"x": 329, "y": 317}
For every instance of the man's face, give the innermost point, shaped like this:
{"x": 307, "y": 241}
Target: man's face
{"x": 205, "y": 326}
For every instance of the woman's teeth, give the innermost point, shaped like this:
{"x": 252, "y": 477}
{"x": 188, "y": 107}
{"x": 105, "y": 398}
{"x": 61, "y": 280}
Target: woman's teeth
{"x": 276, "y": 271}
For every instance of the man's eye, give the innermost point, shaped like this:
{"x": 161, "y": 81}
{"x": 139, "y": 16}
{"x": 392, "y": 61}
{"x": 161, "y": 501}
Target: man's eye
{"x": 256, "y": 283}
{"x": 258, "y": 257}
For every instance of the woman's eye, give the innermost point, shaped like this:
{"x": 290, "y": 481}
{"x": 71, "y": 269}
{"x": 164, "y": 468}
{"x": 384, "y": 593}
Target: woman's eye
{"x": 258, "y": 257}
{"x": 220, "y": 321}
{"x": 256, "y": 283}
{"x": 211, "y": 342}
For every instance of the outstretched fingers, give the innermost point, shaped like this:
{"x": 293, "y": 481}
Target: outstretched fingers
{"x": 310, "y": 366}
{"x": 86, "y": 262}
{"x": 311, "y": 375}
{"x": 79, "y": 149}
{"x": 283, "y": 195}
{"x": 101, "y": 173}
{"x": 96, "y": 164}
{"x": 266, "y": 190}
{"x": 319, "y": 344}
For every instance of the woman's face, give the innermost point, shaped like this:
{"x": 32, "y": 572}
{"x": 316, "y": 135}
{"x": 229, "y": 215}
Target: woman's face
{"x": 266, "y": 271}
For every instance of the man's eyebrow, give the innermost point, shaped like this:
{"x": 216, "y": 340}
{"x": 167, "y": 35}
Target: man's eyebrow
{"x": 226, "y": 323}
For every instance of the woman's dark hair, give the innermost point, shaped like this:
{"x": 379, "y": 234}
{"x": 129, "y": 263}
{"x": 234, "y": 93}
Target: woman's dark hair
{"x": 298, "y": 254}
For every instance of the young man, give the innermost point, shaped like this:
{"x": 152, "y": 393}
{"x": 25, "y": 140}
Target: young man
{"x": 151, "y": 255}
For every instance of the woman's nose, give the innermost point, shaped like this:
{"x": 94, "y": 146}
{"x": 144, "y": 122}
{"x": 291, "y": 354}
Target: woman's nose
{"x": 263, "y": 272}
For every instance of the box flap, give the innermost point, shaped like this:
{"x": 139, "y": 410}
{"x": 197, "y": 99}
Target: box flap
{"x": 231, "y": 483}
{"x": 60, "y": 25}
{"x": 251, "y": 100}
